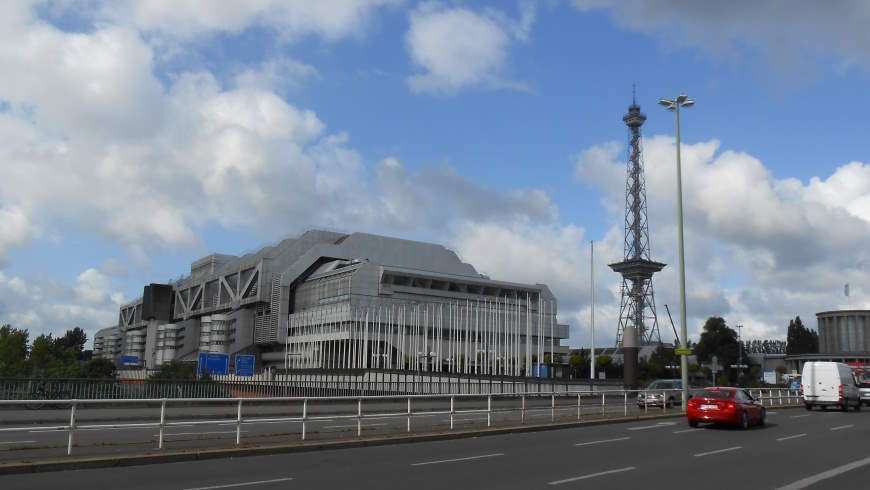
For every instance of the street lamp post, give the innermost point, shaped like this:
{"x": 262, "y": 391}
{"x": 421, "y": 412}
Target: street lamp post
{"x": 682, "y": 100}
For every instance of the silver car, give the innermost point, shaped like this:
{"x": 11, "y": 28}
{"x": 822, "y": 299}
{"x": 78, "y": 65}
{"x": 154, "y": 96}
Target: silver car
{"x": 864, "y": 390}
{"x": 659, "y": 393}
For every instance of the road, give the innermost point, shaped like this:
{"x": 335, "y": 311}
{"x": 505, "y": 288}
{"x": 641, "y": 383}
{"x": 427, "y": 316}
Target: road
{"x": 209, "y": 427}
{"x": 796, "y": 446}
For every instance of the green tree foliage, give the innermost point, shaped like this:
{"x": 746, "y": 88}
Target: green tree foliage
{"x": 603, "y": 361}
{"x": 13, "y": 351}
{"x": 175, "y": 371}
{"x": 658, "y": 361}
{"x": 98, "y": 368}
{"x": 720, "y": 340}
{"x": 801, "y": 340}
{"x": 46, "y": 356}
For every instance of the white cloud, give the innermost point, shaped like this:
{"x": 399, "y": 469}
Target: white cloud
{"x": 787, "y": 34}
{"x": 458, "y": 48}
{"x": 15, "y": 230}
{"x": 48, "y": 306}
{"x": 184, "y": 19}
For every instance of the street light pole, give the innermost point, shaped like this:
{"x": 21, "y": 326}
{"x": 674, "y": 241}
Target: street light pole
{"x": 674, "y": 105}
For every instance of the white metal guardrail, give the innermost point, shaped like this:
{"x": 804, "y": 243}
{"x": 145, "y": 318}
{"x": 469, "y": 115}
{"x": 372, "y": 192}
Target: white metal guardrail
{"x": 612, "y": 403}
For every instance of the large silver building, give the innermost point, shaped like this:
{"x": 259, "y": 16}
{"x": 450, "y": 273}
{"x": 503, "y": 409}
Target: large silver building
{"x": 844, "y": 332}
{"x": 347, "y": 301}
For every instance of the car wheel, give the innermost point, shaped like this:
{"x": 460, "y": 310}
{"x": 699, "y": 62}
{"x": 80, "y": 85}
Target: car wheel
{"x": 845, "y": 406}
{"x": 763, "y": 417}
{"x": 744, "y": 421}
{"x": 693, "y": 423}
{"x": 858, "y": 406}
{"x": 808, "y": 406}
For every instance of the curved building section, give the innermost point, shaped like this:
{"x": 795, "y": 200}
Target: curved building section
{"x": 844, "y": 332}
{"x": 303, "y": 302}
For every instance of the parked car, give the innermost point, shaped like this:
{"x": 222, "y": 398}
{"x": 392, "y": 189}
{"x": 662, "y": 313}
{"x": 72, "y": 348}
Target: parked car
{"x": 826, "y": 384}
{"x": 864, "y": 391}
{"x": 722, "y": 405}
{"x": 659, "y": 390}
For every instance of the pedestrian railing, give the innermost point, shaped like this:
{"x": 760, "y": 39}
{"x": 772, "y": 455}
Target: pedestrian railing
{"x": 307, "y": 410}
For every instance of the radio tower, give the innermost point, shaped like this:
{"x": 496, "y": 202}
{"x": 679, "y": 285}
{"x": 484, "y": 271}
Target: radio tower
{"x": 638, "y": 324}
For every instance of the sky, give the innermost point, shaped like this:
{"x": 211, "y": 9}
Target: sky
{"x": 140, "y": 136}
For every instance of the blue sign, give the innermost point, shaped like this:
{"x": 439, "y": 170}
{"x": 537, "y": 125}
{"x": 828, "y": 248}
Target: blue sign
{"x": 130, "y": 360}
{"x": 244, "y": 365}
{"x": 213, "y": 363}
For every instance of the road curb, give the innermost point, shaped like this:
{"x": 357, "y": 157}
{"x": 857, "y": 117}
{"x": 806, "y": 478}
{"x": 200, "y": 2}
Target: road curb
{"x": 74, "y": 463}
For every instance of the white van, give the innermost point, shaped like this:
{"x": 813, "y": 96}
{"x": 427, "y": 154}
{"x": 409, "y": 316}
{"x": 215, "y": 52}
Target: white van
{"x": 829, "y": 384}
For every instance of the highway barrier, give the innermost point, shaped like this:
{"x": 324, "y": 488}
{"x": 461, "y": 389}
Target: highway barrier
{"x": 415, "y": 413}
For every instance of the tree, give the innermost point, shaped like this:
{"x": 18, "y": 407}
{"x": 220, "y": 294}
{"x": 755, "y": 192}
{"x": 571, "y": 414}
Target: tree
{"x": 175, "y": 371}
{"x": 720, "y": 340}
{"x": 801, "y": 340}
{"x": 13, "y": 351}
{"x": 99, "y": 368}
{"x": 75, "y": 340}
{"x": 660, "y": 358}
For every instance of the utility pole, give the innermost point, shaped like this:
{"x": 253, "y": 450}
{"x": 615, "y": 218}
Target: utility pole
{"x": 592, "y": 308}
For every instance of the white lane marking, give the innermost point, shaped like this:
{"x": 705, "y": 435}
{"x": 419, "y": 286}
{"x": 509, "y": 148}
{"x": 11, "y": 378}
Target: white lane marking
{"x": 843, "y": 427}
{"x": 839, "y": 470}
{"x": 458, "y": 459}
{"x": 791, "y": 437}
{"x": 17, "y": 442}
{"x": 593, "y": 475}
{"x": 800, "y": 416}
{"x": 245, "y": 484}
{"x": 687, "y": 430}
{"x": 700, "y": 455}
{"x": 773, "y": 413}
{"x": 657, "y": 426}
{"x": 198, "y": 433}
{"x": 602, "y": 441}
{"x": 351, "y": 426}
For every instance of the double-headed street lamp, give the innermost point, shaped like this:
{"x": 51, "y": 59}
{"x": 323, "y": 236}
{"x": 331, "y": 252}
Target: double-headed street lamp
{"x": 682, "y": 100}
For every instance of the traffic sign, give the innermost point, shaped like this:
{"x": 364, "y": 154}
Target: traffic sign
{"x": 213, "y": 363}
{"x": 244, "y": 365}
{"x": 683, "y": 351}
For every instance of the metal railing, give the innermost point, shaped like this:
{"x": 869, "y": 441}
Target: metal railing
{"x": 300, "y": 383}
{"x": 613, "y": 403}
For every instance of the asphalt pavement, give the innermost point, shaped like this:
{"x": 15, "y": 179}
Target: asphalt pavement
{"x": 796, "y": 449}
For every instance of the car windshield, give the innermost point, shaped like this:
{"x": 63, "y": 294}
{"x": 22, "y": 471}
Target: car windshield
{"x": 662, "y": 385}
{"x": 722, "y": 394}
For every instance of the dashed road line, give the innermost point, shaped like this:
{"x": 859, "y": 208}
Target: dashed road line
{"x": 592, "y": 475}
{"x": 708, "y": 453}
{"x": 656, "y": 426}
{"x": 244, "y": 484}
{"x": 790, "y": 437}
{"x": 687, "y": 430}
{"x": 469, "y": 458}
{"x": 840, "y": 427}
{"x": 800, "y": 416}
{"x": 602, "y": 441}
{"x": 16, "y": 442}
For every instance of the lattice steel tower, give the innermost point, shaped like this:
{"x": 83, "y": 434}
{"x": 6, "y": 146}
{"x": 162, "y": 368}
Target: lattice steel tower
{"x": 637, "y": 307}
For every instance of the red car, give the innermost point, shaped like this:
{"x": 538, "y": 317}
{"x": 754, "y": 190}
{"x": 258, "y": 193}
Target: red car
{"x": 732, "y": 406}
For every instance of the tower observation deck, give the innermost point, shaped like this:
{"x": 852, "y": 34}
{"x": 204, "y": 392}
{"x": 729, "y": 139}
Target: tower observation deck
{"x": 637, "y": 309}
